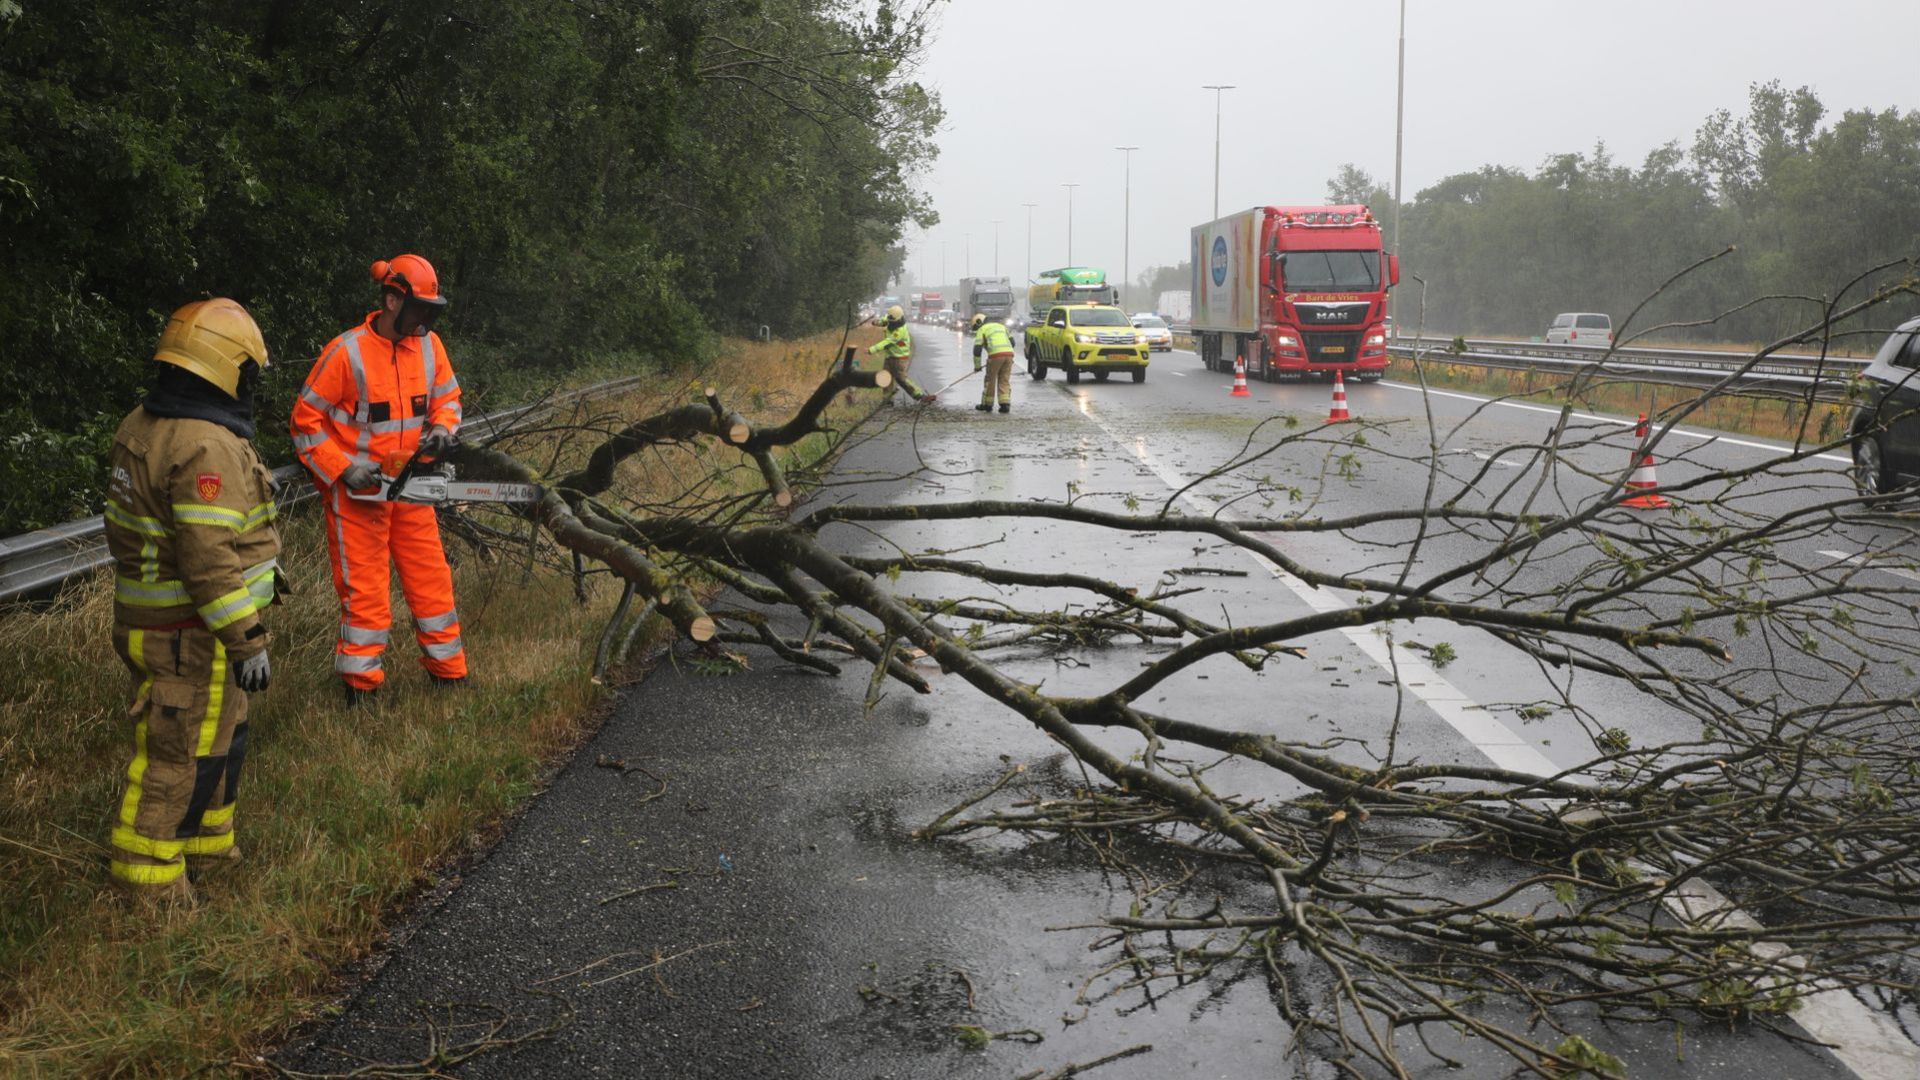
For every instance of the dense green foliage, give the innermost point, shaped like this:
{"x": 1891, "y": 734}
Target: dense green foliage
{"x": 1809, "y": 205}
{"x": 598, "y": 181}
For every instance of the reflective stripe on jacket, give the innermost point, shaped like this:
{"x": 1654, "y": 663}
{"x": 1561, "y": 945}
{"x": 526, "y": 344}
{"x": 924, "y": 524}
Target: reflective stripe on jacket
{"x": 992, "y": 338}
{"x": 368, "y": 400}
{"x": 190, "y": 524}
{"x": 897, "y": 345}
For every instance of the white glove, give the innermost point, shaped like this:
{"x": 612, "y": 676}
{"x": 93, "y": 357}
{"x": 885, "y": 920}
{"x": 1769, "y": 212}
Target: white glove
{"x": 436, "y": 442}
{"x": 254, "y": 673}
{"x": 359, "y": 477}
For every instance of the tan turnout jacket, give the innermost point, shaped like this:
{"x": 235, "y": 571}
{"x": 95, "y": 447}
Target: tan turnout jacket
{"x": 190, "y": 525}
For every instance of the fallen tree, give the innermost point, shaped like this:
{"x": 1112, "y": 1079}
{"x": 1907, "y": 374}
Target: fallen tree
{"x": 1759, "y": 868}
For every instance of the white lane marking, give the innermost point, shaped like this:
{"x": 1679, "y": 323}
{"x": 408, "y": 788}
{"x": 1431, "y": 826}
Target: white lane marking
{"x": 1862, "y": 560}
{"x": 1867, "y": 1042}
{"x": 1180, "y": 374}
{"x": 1704, "y": 436}
{"x": 1496, "y": 740}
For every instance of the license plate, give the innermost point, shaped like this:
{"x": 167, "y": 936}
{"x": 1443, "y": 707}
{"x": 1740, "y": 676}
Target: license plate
{"x": 1334, "y": 349}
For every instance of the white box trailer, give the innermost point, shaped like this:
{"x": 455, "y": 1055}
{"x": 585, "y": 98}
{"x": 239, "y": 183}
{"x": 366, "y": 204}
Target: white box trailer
{"x": 1226, "y": 273}
{"x": 1176, "y": 305}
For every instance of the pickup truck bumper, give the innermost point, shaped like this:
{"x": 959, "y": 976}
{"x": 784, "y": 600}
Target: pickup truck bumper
{"x": 1108, "y": 357}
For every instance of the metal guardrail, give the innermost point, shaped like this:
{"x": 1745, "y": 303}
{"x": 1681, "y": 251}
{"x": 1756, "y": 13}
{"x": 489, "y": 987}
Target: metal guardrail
{"x": 35, "y": 562}
{"x": 1697, "y": 366}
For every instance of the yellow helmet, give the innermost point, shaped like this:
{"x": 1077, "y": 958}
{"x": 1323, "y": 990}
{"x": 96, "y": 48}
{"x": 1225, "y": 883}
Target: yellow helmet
{"x": 213, "y": 339}
{"x": 978, "y": 320}
{"x": 896, "y": 312}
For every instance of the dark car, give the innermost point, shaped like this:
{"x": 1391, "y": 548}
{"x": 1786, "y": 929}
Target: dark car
{"x": 1886, "y": 425}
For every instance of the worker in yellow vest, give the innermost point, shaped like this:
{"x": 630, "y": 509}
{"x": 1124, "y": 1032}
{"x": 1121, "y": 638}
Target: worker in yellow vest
{"x": 991, "y": 338}
{"x": 897, "y": 348}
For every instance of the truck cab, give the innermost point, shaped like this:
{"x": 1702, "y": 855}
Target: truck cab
{"x": 1085, "y": 337}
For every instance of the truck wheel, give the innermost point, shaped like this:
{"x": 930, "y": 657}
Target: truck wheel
{"x": 1073, "y": 373}
{"x": 1035, "y": 368}
{"x": 1101, "y": 376}
{"x": 1140, "y": 375}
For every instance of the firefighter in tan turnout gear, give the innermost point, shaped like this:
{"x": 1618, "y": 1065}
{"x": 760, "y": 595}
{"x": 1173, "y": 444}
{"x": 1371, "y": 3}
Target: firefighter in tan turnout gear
{"x": 896, "y": 348}
{"x": 190, "y": 523}
{"x": 990, "y": 337}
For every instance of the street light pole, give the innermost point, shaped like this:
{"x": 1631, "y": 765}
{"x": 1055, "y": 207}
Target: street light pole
{"x": 996, "y": 246}
{"x": 1069, "y": 188}
{"x": 1216, "y": 145}
{"x": 1029, "y": 206}
{"x": 1399, "y": 125}
{"x": 1126, "y": 229}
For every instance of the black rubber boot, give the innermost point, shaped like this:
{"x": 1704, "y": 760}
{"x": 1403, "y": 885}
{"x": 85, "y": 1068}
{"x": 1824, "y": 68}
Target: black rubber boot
{"x": 1006, "y": 406}
{"x": 983, "y": 407}
{"x": 441, "y": 682}
{"x": 357, "y": 697}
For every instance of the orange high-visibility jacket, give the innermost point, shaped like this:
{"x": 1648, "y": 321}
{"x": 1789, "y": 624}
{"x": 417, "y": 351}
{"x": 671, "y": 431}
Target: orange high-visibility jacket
{"x": 368, "y": 400}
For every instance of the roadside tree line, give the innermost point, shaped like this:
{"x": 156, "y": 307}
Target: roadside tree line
{"x": 597, "y": 182}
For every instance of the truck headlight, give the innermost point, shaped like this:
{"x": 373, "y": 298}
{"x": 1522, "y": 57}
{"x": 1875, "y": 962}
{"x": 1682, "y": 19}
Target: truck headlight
{"x": 1083, "y": 338}
{"x": 1376, "y": 339}
{"x": 1286, "y": 341}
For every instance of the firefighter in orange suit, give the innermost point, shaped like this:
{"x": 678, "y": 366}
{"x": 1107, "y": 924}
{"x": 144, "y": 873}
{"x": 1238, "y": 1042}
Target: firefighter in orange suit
{"x": 189, "y": 522}
{"x": 378, "y": 393}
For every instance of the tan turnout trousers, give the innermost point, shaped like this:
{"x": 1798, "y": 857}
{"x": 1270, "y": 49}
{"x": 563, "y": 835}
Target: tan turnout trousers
{"x": 189, "y": 740}
{"x": 999, "y": 379}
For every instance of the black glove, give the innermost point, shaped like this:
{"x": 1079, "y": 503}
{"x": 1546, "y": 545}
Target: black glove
{"x": 254, "y": 673}
{"x": 438, "y": 442}
{"x": 359, "y": 477}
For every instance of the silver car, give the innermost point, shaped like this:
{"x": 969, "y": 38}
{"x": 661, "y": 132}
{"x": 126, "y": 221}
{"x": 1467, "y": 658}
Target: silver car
{"x": 1158, "y": 334}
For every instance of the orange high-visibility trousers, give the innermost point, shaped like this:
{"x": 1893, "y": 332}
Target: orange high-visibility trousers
{"x": 361, "y": 538}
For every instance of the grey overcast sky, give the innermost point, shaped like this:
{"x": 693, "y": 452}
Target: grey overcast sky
{"x": 1037, "y": 94}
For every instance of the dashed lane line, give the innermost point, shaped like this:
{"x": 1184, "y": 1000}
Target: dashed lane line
{"x": 1862, "y": 560}
{"x": 1867, "y": 1042}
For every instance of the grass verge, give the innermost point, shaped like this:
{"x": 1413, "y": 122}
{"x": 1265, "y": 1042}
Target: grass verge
{"x": 1764, "y": 415}
{"x": 343, "y": 817}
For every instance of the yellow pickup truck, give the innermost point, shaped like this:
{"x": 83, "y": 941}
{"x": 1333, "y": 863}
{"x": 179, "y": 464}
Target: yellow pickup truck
{"x": 1087, "y": 337}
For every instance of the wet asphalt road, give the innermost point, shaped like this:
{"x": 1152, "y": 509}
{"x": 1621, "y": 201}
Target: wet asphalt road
{"x": 790, "y": 927}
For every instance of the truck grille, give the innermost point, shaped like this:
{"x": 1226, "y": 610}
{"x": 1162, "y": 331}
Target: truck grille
{"x": 1332, "y": 348}
{"x": 1113, "y": 339}
{"x": 1320, "y": 314}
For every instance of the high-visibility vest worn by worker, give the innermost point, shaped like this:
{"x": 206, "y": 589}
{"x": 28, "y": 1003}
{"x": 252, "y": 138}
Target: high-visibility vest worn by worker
{"x": 190, "y": 526}
{"x": 368, "y": 400}
{"x": 896, "y": 345}
{"x": 992, "y": 338}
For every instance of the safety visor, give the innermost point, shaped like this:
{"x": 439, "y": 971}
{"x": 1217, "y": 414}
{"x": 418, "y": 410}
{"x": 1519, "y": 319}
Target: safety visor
{"x": 418, "y": 314}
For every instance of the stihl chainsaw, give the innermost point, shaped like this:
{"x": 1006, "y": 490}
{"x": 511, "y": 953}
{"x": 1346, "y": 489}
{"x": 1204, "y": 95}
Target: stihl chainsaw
{"x": 434, "y": 483}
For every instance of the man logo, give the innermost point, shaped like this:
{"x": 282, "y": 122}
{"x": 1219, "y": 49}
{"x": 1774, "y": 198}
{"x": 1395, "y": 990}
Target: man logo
{"x": 1219, "y": 261}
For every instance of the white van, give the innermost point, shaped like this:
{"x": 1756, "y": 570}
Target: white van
{"x": 1580, "y": 328}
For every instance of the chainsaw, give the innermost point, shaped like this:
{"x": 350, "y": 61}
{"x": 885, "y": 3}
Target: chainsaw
{"x": 422, "y": 480}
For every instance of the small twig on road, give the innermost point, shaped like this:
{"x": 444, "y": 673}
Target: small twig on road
{"x": 1087, "y": 1066}
{"x": 630, "y": 971}
{"x": 641, "y": 889}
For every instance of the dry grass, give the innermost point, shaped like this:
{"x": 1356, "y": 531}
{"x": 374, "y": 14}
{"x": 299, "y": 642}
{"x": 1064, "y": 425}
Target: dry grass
{"x": 344, "y": 816}
{"x": 1766, "y": 416}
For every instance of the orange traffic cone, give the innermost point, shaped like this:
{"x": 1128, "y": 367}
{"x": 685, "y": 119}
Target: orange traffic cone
{"x": 1339, "y": 410}
{"x": 1240, "y": 376}
{"x": 1643, "y": 480}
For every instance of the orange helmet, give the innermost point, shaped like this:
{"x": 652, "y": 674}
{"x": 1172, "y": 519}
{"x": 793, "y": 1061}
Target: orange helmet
{"x": 412, "y": 277}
